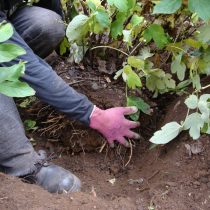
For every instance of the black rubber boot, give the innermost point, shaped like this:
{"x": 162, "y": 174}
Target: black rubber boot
{"x": 54, "y": 179}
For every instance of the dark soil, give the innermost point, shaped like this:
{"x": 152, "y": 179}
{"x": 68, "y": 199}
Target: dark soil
{"x": 170, "y": 177}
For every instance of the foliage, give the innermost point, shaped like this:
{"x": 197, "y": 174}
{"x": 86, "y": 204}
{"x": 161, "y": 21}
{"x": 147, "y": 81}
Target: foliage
{"x": 10, "y": 84}
{"x": 196, "y": 122}
{"x": 172, "y": 33}
{"x": 30, "y": 125}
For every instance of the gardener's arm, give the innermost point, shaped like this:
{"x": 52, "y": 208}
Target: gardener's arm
{"x": 51, "y": 89}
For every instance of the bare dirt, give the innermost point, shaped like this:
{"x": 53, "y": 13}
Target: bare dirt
{"x": 171, "y": 177}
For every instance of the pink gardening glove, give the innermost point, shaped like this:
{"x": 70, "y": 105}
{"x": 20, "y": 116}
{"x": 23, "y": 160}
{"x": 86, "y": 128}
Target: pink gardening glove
{"x": 113, "y": 125}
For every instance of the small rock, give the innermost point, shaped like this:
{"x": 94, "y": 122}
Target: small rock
{"x": 95, "y": 86}
{"x": 135, "y": 181}
{"x": 171, "y": 184}
{"x": 198, "y": 196}
{"x": 204, "y": 180}
{"x": 197, "y": 183}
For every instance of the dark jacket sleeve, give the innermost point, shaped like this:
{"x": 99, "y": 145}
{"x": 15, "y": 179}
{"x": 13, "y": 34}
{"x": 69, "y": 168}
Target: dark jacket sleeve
{"x": 49, "y": 87}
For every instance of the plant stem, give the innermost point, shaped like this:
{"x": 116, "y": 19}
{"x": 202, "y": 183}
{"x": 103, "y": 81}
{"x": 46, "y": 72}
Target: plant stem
{"x": 134, "y": 49}
{"x": 113, "y": 48}
{"x": 205, "y": 87}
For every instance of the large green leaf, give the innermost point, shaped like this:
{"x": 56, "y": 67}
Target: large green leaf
{"x": 93, "y": 4}
{"x": 10, "y": 84}
{"x": 140, "y": 104}
{"x": 122, "y": 5}
{"x": 136, "y": 20}
{"x": 201, "y": 7}
{"x": 102, "y": 18}
{"x": 132, "y": 78}
{"x": 195, "y": 123}
{"x": 192, "y": 102}
{"x": 167, "y": 133}
{"x": 167, "y": 6}
{"x": 11, "y": 73}
{"x": 178, "y": 67}
{"x": 6, "y": 31}
{"x": 16, "y": 89}
{"x": 118, "y": 25}
{"x": 136, "y": 62}
{"x": 204, "y": 107}
{"x": 10, "y": 51}
{"x": 156, "y": 32}
{"x": 204, "y": 33}
{"x": 78, "y": 28}
{"x": 204, "y": 62}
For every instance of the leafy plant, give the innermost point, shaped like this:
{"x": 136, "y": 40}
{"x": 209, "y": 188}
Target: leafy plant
{"x": 30, "y": 125}
{"x": 10, "y": 84}
{"x": 174, "y": 34}
{"x": 197, "y": 122}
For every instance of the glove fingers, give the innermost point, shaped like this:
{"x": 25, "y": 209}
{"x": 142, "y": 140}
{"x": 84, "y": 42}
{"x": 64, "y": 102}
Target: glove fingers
{"x": 132, "y": 124}
{"x": 129, "y": 110}
{"x": 111, "y": 143}
{"x": 132, "y": 135}
{"x": 122, "y": 140}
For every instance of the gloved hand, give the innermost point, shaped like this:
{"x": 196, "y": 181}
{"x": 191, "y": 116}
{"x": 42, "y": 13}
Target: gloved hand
{"x": 113, "y": 125}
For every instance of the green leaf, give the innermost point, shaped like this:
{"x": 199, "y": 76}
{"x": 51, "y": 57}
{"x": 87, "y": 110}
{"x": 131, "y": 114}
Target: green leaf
{"x": 16, "y": 89}
{"x": 145, "y": 53}
{"x": 193, "y": 43}
{"x": 167, "y": 6}
{"x": 78, "y": 28}
{"x": 169, "y": 82}
{"x": 136, "y": 62}
{"x": 11, "y": 73}
{"x": 196, "y": 82}
{"x": 131, "y": 5}
{"x": 132, "y": 78}
{"x": 93, "y": 4}
{"x": 77, "y": 53}
{"x": 204, "y": 63}
{"x": 27, "y": 102}
{"x": 9, "y": 52}
{"x": 205, "y": 128}
{"x": 102, "y": 20}
{"x": 178, "y": 67}
{"x": 201, "y": 7}
{"x": 127, "y": 38}
{"x": 30, "y": 124}
{"x": 136, "y": 20}
{"x": 6, "y": 31}
{"x": 203, "y": 34}
{"x": 122, "y": 5}
{"x": 64, "y": 46}
{"x": 139, "y": 103}
{"x": 156, "y": 32}
{"x": 204, "y": 107}
{"x": 118, "y": 25}
{"x": 167, "y": 133}
{"x": 192, "y": 102}
{"x": 184, "y": 84}
{"x": 195, "y": 123}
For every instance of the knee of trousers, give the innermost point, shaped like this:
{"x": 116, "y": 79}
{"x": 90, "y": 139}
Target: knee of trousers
{"x": 39, "y": 27}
